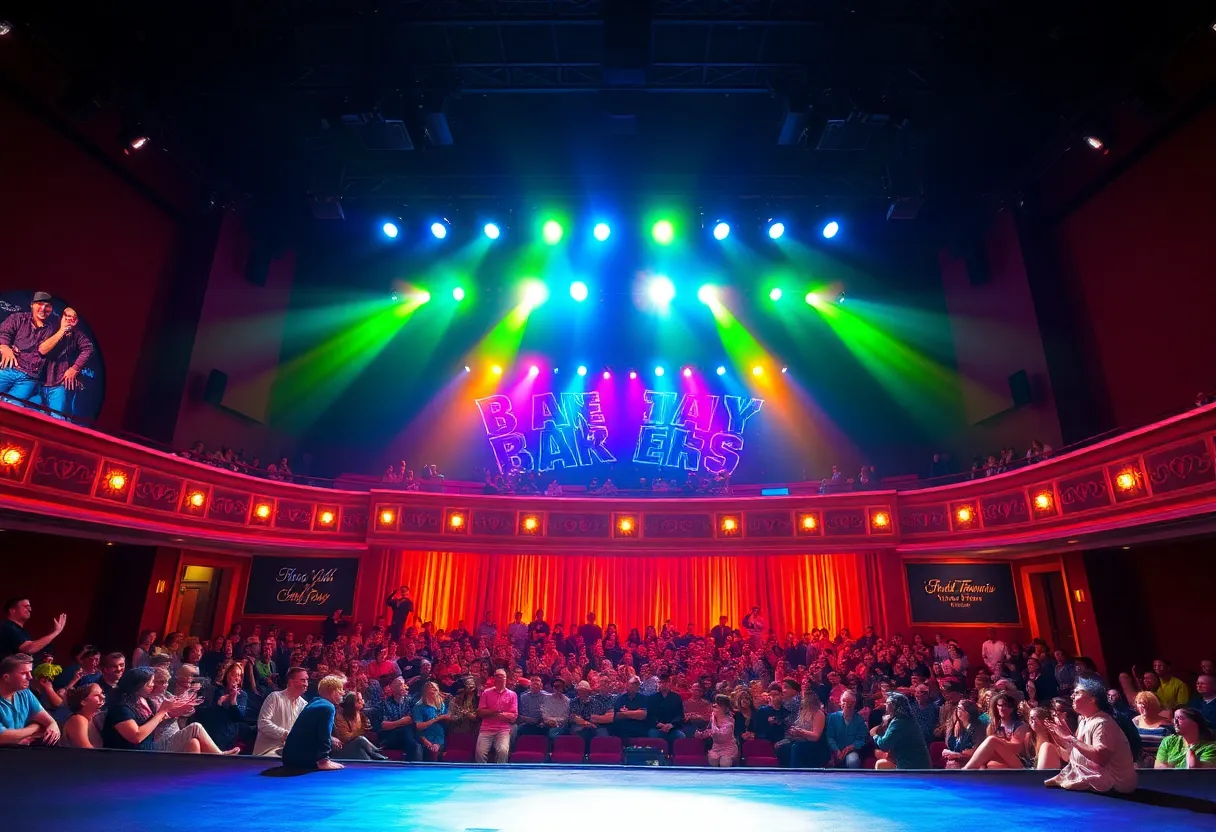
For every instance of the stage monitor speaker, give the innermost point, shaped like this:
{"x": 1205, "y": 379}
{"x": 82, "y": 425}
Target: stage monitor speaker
{"x": 217, "y": 384}
{"x": 1019, "y": 389}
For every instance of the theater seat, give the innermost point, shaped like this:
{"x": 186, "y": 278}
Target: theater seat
{"x": 690, "y": 752}
{"x": 459, "y": 748}
{"x": 649, "y": 742}
{"x": 530, "y": 748}
{"x": 759, "y": 753}
{"x": 606, "y": 751}
{"x": 935, "y": 754}
{"x": 568, "y": 750}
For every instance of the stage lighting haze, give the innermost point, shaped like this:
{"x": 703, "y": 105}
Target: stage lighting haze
{"x": 390, "y": 230}
{"x": 721, "y": 231}
{"x": 602, "y": 231}
{"x": 829, "y": 230}
{"x": 552, "y": 232}
{"x": 776, "y": 230}
{"x": 663, "y": 232}
{"x": 578, "y": 291}
{"x": 439, "y": 230}
{"x": 492, "y": 231}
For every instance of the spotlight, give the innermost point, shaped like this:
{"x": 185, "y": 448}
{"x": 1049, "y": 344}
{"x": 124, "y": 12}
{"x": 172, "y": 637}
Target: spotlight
{"x": 439, "y": 230}
{"x": 467, "y": 368}
{"x": 551, "y": 232}
{"x": 708, "y": 295}
{"x": 658, "y": 371}
{"x": 775, "y": 230}
{"x": 533, "y": 371}
{"x": 492, "y": 231}
{"x": 554, "y": 371}
{"x": 829, "y": 230}
{"x": 840, "y": 298}
{"x": 757, "y": 370}
{"x": 458, "y": 294}
{"x": 133, "y": 138}
{"x": 662, "y": 232}
{"x": 423, "y": 297}
{"x": 775, "y": 294}
{"x": 784, "y": 370}
{"x": 688, "y": 372}
{"x": 535, "y": 293}
{"x": 661, "y": 290}
{"x": 633, "y": 375}
{"x": 582, "y": 370}
{"x": 602, "y": 231}
{"x": 607, "y": 375}
{"x": 721, "y": 231}
{"x": 390, "y": 230}
{"x": 578, "y": 291}
{"x": 1095, "y": 143}
{"x": 812, "y": 298}
{"x": 496, "y": 370}
{"x": 721, "y": 370}
{"x": 326, "y": 518}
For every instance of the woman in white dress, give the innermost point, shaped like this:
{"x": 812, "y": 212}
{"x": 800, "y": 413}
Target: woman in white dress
{"x": 1099, "y": 757}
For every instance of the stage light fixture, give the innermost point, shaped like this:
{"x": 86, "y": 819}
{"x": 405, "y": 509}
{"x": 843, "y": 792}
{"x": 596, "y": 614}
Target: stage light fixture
{"x": 663, "y": 232}
{"x": 721, "y": 370}
{"x": 688, "y": 372}
{"x": 633, "y": 375}
{"x": 551, "y": 232}
{"x": 661, "y": 290}
{"x": 390, "y": 230}
{"x": 775, "y": 230}
{"x": 829, "y": 230}
{"x": 775, "y": 294}
{"x": 1095, "y": 142}
{"x": 582, "y": 370}
{"x": 535, "y": 293}
{"x": 840, "y": 298}
{"x": 467, "y": 368}
{"x": 578, "y": 291}
{"x": 423, "y": 297}
{"x": 439, "y": 230}
{"x": 708, "y": 295}
{"x": 812, "y": 298}
{"x": 607, "y": 375}
{"x": 496, "y": 370}
{"x": 458, "y": 294}
{"x": 533, "y": 371}
{"x": 784, "y": 370}
{"x": 492, "y": 231}
{"x": 658, "y": 371}
{"x": 602, "y": 231}
{"x": 721, "y": 231}
{"x": 757, "y": 370}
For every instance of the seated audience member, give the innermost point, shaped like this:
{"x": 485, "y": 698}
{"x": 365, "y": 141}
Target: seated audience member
{"x": 397, "y": 721}
{"x": 1153, "y": 724}
{"x": 1006, "y": 743}
{"x": 430, "y": 712}
{"x": 746, "y": 717}
{"x": 279, "y": 712}
{"x": 666, "y": 712}
{"x": 629, "y": 712}
{"x": 846, "y": 732}
{"x": 898, "y": 738}
{"x": 497, "y": 708}
{"x": 809, "y": 748}
{"x": 532, "y": 708}
{"x": 1099, "y": 756}
{"x": 963, "y": 734}
{"x": 351, "y": 727}
{"x": 771, "y": 718}
{"x": 590, "y": 715}
{"x": 80, "y": 730}
{"x": 13, "y": 637}
{"x": 1204, "y": 699}
{"x": 1191, "y": 745}
{"x": 1171, "y": 691}
{"x": 130, "y": 720}
{"x": 310, "y": 741}
{"x": 724, "y": 750}
{"x": 22, "y": 720}
{"x": 225, "y": 718}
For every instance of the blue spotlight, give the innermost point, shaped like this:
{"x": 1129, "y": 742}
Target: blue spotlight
{"x": 775, "y": 230}
{"x": 661, "y": 290}
{"x": 721, "y": 370}
{"x": 578, "y": 291}
{"x": 721, "y": 231}
{"x": 492, "y": 231}
{"x": 658, "y": 371}
{"x": 390, "y": 230}
{"x": 439, "y": 230}
{"x": 602, "y": 231}
{"x": 582, "y": 370}
{"x": 829, "y": 230}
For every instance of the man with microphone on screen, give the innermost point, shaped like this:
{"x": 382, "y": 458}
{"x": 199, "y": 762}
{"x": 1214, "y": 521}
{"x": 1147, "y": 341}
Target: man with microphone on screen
{"x": 25, "y": 340}
{"x": 65, "y": 362}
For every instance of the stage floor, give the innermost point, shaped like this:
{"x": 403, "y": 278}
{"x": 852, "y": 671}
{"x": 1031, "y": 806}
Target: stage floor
{"x": 113, "y": 790}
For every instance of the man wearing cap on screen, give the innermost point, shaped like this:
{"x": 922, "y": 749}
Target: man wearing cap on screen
{"x": 65, "y": 361}
{"x": 25, "y": 340}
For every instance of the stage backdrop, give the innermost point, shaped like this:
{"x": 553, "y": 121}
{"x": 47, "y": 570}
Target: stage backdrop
{"x": 795, "y": 592}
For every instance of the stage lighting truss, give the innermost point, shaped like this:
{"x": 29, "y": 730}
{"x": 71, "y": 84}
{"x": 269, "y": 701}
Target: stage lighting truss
{"x": 607, "y": 373}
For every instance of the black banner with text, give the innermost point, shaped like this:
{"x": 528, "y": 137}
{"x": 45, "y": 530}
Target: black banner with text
{"x": 301, "y": 586}
{"x": 962, "y": 593}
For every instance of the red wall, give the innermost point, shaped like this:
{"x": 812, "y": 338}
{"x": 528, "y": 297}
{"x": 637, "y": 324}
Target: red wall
{"x": 1141, "y": 254}
{"x": 75, "y": 229}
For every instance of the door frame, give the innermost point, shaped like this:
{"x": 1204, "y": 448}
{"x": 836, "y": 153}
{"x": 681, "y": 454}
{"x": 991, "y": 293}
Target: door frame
{"x": 1028, "y": 593}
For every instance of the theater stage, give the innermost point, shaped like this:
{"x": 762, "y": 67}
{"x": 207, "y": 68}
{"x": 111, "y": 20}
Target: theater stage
{"x": 115, "y": 790}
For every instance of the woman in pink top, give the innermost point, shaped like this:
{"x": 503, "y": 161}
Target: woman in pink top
{"x": 721, "y": 730}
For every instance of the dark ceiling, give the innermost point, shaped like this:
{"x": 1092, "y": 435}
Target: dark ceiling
{"x": 882, "y": 100}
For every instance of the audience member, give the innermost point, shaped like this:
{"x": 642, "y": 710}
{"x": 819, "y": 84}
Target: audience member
{"x": 310, "y": 741}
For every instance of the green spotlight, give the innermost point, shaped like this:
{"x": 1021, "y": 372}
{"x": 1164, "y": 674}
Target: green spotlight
{"x": 535, "y": 293}
{"x": 424, "y": 296}
{"x": 551, "y": 231}
{"x": 812, "y": 298}
{"x": 458, "y": 293}
{"x": 662, "y": 232}
{"x": 707, "y": 295}
{"x": 775, "y": 294}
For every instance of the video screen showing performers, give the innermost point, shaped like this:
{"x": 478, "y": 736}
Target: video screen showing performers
{"x": 49, "y": 357}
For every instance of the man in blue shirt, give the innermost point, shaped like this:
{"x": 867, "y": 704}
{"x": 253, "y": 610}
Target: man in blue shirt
{"x": 22, "y": 719}
{"x": 629, "y": 720}
{"x": 397, "y": 721}
{"x": 847, "y": 734}
{"x": 311, "y": 739}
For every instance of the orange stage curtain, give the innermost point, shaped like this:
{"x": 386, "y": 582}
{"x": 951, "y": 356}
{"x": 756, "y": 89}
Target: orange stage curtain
{"x": 795, "y": 592}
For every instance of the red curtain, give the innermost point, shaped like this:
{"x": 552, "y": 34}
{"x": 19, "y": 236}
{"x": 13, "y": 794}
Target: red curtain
{"x": 795, "y": 592}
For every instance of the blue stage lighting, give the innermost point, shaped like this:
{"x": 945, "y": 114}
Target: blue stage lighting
{"x": 661, "y": 290}
{"x": 390, "y": 230}
{"x": 721, "y": 231}
{"x": 578, "y": 291}
{"x": 602, "y": 231}
{"x": 775, "y": 230}
{"x": 658, "y": 371}
{"x": 829, "y": 230}
{"x": 492, "y": 231}
{"x": 582, "y": 370}
{"x": 721, "y": 370}
{"x": 439, "y": 230}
